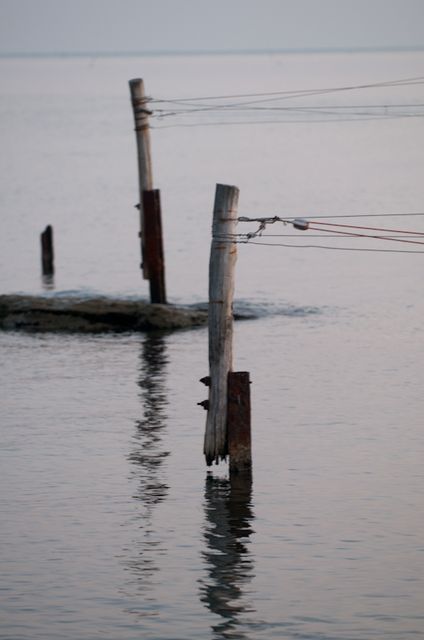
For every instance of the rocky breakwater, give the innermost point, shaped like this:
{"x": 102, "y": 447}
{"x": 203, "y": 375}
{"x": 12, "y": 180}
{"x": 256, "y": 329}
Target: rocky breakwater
{"x": 93, "y": 315}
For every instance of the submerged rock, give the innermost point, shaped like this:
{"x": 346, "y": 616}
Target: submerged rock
{"x": 93, "y": 315}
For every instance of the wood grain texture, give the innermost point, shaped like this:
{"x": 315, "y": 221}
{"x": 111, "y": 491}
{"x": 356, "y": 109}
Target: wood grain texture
{"x": 142, "y": 132}
{"x": 220, "y": 319}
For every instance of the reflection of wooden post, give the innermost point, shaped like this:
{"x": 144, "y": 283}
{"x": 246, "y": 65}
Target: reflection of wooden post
{"x": 221, "y": 290}
{"x": 153, "y": 245}
{"x": 141, "y": 119}
{"x": 238, "y": 412}
{"x": 47, "y": 252}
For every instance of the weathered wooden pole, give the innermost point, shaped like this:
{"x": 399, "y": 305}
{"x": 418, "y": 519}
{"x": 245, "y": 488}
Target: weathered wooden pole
{"x": 223, "y": 258}
{"x": 141, "y": 119}
{"x": 238, "y": 425}
{"x": 153, "y": 245}
{"x": 47, "y": 251}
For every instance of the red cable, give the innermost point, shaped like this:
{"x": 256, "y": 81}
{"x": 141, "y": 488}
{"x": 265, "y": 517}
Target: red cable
{"x": 364, "y": 235}
{"x": 352, "y": 226}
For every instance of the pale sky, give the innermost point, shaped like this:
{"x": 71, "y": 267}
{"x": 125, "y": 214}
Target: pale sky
{"x": 77, "y": 26}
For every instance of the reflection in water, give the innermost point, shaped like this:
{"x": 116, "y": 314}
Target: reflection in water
{"x": 47, "y": 280}
{"x": 228, "y": 561}
{"x": 148, "y": 456}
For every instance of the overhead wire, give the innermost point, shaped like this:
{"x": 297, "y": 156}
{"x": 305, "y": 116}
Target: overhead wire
{"x": 358, "y": 215}
{"x": 375, "y": 237}
{"x": 335, "y": 118}
{"x": 354, "y": 226}
{"x": 363, "y": 110}
{"x": 258, "y": 103}
{"x": 324, "y": 235}
{"x": 315, "y": 246}
{"x": 302, "y": 225}
{"x": 297, "y": 92}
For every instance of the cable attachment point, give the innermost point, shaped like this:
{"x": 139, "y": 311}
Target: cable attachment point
{"x": 301, "y": 224}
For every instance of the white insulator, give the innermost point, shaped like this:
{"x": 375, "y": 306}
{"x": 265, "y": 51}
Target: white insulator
{"x": 301, "y": 224}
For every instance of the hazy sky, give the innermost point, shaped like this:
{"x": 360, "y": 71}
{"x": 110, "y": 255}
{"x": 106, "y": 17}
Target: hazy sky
{"x": 185, "y": 25}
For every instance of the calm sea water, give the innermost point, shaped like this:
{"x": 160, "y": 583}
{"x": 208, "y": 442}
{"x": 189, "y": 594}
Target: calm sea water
{"x": 111, "y": 525}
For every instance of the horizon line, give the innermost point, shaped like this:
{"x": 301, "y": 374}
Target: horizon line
{"x": 206, "y": 52}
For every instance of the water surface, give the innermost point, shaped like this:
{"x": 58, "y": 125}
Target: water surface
{"x": 112, "y": 526}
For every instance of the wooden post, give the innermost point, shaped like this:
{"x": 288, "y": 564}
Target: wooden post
{"x": 141, "y": 119}
{"x": 153, "y": 245}
{"x": 47, "y": 252}
{"x": 238, "y": 412}
{"x": 221, "y": 290}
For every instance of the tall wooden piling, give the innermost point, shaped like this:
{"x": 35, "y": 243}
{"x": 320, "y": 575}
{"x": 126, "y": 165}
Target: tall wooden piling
{"x": 153, "y": 242}
{"x": 223, "y": 258}
{"x": 47, "y": 251}
{"x": 238, "y": 422}
{"x": 142, "y": 131}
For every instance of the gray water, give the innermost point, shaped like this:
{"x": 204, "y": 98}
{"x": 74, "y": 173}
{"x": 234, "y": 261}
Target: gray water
{"x": 111, "y": 524}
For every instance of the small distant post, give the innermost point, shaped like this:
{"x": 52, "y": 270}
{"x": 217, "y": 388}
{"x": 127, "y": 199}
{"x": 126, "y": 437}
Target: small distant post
{"x": 47, "y": 251}
{"x": 153, "y": 245}
{"x": 238, "y": 415}
{"x": 142, "y": 131}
